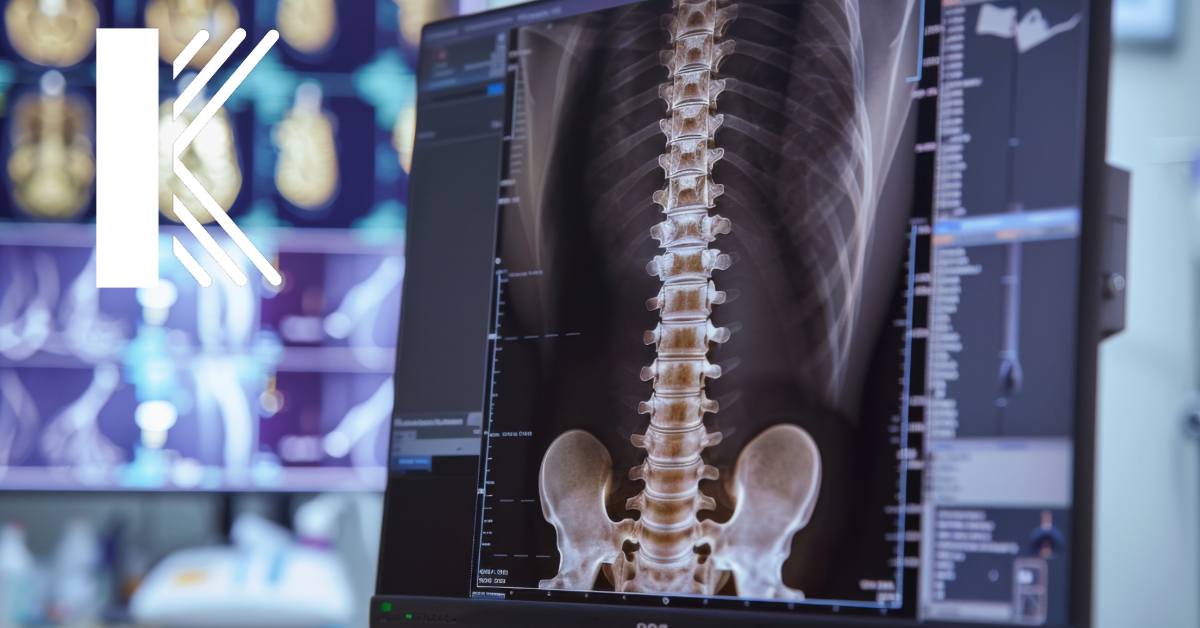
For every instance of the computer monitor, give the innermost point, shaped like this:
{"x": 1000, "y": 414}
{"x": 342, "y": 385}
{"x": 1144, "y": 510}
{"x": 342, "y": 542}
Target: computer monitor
{"x": 753, "y": 312}
{"x": 224, "y": 388}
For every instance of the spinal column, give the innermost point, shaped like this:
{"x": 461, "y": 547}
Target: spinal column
{"x": 775, "y": 483}
{"x": 673, "y": 468}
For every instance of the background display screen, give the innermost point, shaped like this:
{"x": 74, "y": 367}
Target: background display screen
{"x": 221, "y": 388}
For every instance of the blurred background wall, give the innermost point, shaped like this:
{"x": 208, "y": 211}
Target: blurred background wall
{"x": 1148, "y": 502}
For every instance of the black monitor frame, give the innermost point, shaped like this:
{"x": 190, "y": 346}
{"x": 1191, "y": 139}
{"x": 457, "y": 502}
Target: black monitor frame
{"x": 1094, "y": 259}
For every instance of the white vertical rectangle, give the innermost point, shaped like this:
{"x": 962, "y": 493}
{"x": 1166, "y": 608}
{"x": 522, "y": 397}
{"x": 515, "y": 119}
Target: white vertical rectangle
{"x": 126, "y": 157}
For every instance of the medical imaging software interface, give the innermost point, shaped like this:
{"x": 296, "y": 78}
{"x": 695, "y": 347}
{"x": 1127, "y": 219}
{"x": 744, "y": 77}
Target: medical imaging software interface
{"x": 182, "y": 387}
{"x": 761, "y": 305}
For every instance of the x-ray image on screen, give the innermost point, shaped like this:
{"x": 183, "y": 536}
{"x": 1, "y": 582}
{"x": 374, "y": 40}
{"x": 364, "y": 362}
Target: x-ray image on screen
{"x": 767, "y": 306}
{"x": 693, "y": 300}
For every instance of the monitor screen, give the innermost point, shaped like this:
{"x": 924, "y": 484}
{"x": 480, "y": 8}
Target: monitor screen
{"x": 183, "y": 387}
{"x": 766, "y": 306}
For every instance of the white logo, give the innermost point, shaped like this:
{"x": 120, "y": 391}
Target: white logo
{"x": 127, "y": 141}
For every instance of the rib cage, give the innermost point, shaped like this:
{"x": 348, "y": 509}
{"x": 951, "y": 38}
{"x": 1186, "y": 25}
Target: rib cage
{"x": 828, "y": 189}
{"x": 801, "y": 174}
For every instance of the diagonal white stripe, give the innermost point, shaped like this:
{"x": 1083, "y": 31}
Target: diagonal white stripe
{"x": 189, "y": 51}
{"x": 227, "y": 224}
{"x": 193, "y": 89}
{"x": 205, "y": 116}
{"x": 210, "y": 109}
{"x": 207, "y": 241}
{"x": 190, "y": 263}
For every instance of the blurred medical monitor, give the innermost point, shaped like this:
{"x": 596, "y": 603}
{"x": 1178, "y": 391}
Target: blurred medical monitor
{"x": 755, "y": 312}
{"x": 224, "y": 388}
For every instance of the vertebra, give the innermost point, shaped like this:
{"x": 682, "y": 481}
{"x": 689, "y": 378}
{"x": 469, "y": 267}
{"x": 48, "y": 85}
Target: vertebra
{"x": 676, "y": 552}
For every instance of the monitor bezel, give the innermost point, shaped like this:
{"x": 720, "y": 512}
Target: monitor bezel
{"x": 496, "y": 613}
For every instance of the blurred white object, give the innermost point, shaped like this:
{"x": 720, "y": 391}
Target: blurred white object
{"x": 256, "y": 533}
{"x": 356, "y": 317}
{"x": 358, "y": 430}
{"x": 157, "y": 301}
{"x": 75, "y": 596}
{"x": 16, "y": 577}
{"x": 266, "y": 580}
{"x": 350, "y": 523}
{"x": 997, "y": 21}
{"x": 1145, "y": 21}
{"x": 155, "y": 418}
{"x": 226, "y": 319}
{"x": 1029, "y": 31}
{"x": 316, "y": 522}
{"x": 1033, "y": 29}
{"x": 475, "y": 6}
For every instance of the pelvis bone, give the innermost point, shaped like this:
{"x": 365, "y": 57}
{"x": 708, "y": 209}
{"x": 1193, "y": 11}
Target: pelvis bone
{"x": 574, "y": 484}
{"x": 775, "y": 487}
{"x": 776, "y": 482}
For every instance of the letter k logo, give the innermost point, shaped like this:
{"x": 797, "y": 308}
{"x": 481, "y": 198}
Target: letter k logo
{"x": 127, "y": 155}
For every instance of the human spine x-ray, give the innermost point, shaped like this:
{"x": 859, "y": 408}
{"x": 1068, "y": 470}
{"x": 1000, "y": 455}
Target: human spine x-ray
{"x": 774, "y": 127}
{"x": 777, "y": 476}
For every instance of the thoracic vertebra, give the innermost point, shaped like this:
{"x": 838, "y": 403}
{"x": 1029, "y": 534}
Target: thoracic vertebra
{"x": 775, "y": 484}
